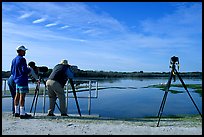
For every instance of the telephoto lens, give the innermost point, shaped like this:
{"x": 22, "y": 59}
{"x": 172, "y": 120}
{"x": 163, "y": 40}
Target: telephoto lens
{"x": 43, "y": 69}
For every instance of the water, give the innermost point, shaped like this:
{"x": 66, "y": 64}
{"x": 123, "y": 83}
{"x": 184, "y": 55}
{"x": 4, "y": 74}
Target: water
{"x": 127, "y": 98}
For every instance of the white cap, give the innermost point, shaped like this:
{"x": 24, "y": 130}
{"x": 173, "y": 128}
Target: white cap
{"x": 21, "y": 48}
{"x": 64, "y": 62}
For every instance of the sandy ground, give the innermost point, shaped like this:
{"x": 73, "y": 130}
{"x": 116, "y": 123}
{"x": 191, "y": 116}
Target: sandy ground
{"x": 93, "y": 125}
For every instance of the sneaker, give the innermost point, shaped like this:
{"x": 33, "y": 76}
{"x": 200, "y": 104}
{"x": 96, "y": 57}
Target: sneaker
{"x": 16, "y": 115}
{"x": 64, "y": 115}
{"x": 50, "y": 114}
{"x": 26, "y": 116}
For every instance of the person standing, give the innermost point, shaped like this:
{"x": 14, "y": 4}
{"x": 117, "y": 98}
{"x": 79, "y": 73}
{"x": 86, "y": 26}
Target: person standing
{"x": 55, "y": 85}
{"x": 12, "y": 88}
{"x": 20, "y": 71}
{"x": 34, "y": 71}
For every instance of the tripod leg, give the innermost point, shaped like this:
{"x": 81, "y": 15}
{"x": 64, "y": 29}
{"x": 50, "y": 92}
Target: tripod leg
{"x": 188, "y": 92}
{"x": 34, "y": 98}
{"x": 74, "y": 93}
{"x": 164, "y": 98}
{"x": 162, "y": 104}
{"x": 36, "y": 102}
{"x": 58, "y": 107}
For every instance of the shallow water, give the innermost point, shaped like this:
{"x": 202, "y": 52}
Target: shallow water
{"x": 127, "y": 98}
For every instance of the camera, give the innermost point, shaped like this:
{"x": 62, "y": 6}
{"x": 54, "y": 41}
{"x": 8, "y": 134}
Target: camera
{"x": 38, "y": 70}
{"x": 42, "y": 69}
{"x": 174, "y": 59}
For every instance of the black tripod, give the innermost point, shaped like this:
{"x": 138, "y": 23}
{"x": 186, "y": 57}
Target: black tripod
{"x": 174, "y": 61}
{"x": 35, "y": 98}
{"x": 37, "y": 89}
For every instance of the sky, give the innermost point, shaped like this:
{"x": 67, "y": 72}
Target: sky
{"x": 104, "y": 36}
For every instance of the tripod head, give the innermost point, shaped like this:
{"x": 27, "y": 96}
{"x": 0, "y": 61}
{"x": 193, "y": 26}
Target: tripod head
{"x": 174, "y": 61}
{"x": 41, "y": 73}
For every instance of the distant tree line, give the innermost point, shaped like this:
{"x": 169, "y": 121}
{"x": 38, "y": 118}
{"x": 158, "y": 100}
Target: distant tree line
{"x": 112, "y": 74}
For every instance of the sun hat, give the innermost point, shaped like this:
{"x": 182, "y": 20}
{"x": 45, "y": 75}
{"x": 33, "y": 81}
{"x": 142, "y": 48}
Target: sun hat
{"x": 21, "y": 48}
{"x": 64, "y": 62}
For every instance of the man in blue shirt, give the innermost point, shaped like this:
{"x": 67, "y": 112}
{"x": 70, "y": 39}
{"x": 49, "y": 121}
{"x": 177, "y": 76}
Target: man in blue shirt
{"x": 20, "y": 71}
{"x": 12, "y": 87}
{"x": 55, "y": 85}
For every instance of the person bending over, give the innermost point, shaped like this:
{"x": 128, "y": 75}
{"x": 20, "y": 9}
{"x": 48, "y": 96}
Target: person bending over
{"x": 55, "y": 85}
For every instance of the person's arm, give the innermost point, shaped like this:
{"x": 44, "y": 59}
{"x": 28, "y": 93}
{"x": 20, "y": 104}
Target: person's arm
{"x": 33, "y": 74}
{"x": 69, "y": 73}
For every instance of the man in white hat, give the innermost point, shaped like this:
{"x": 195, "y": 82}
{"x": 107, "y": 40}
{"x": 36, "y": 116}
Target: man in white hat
{"x": 55, "y": 84}
{"x": 19, "y": 72}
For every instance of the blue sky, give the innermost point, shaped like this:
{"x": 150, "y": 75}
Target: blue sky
{"x": 108, "y": 36}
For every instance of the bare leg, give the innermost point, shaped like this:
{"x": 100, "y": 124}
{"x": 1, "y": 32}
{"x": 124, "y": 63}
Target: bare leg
{"x": 16, "y": 99}
{"x": 22, "y": 99}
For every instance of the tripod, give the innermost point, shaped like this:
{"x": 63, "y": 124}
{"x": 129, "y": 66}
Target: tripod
{"x": 37, "y": 89}
{"x": 174, "y": 61}
{"x": 35, "y": 98}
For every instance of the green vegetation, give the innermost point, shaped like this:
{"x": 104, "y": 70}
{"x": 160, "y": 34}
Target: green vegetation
{"x": 197, "y": 88}
{"x": 112, "y": 74}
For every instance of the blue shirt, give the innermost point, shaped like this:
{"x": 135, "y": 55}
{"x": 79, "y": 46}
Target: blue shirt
{"x": 20, "y": 71}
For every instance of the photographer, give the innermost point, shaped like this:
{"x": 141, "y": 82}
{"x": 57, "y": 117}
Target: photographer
{"x": 12, "y": 86}
{"x": 34, "y": 71}
{"x": 55, "y": 84}
{"x": 19, "y": 72}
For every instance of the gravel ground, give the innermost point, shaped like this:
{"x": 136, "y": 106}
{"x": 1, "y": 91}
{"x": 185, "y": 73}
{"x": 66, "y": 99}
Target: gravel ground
{"x": 93, "y": 125}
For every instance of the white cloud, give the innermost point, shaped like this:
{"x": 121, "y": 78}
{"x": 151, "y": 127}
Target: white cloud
{"x": 39, "y": 20}
{"x": 35, "y": 32}
{"x": 98, "y": 39}
{"x": 51, "y": 24}
{"x": 64, "y": 27}
{"x": 26, "y": 15}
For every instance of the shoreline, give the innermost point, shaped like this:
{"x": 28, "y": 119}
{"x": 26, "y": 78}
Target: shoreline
{"x": 94, "y": 125}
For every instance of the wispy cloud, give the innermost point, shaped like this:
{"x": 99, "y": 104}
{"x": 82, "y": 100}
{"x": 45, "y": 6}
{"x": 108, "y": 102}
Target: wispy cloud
{"x": 177, "y": 23}
{"x": 64, "y": 27}
{"x": 94, "y": 37}
{"x": 51, "y": 24}
{"x": 25, "y": 15}
{"x": 39, "y": 20}
{"x": 35, "y": 32}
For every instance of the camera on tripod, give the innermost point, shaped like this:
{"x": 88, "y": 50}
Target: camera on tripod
{"x": 174, "y": 61}
{"x": 42, "y": 70}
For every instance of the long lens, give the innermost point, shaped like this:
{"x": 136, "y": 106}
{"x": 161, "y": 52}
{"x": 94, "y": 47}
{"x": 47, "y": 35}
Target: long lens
{"x": 43, "y": 69}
